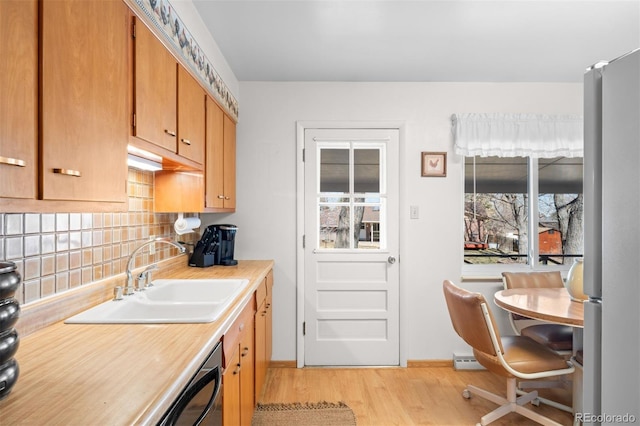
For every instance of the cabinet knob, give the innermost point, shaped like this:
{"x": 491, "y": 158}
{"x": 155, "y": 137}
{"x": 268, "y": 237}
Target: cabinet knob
{"x": 68, "y": 172}
{"x": 185, "y": 141}
{"x": 221, "y": 197}
{"x": 170, "y": 132}
{"x": 12, "y": 161}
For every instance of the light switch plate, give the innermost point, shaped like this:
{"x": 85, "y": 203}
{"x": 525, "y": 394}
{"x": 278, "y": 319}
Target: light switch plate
{"x": 414, "y": 212}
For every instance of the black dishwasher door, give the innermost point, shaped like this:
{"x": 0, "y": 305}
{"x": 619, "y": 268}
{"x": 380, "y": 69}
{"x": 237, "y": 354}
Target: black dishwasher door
{"x": 199, "y": 403}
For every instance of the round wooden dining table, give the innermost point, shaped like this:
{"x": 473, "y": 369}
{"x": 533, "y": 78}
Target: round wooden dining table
{"x": 546, "y": 304}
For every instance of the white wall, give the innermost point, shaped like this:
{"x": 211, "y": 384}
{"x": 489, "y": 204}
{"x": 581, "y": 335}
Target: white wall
{"x": 430, "y": 246}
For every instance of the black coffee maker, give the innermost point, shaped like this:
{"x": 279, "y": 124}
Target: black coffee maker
{"x": 216, "y": 247}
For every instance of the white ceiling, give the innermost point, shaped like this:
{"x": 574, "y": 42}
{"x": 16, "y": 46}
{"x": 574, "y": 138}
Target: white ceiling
{"x": 420, "y": 40}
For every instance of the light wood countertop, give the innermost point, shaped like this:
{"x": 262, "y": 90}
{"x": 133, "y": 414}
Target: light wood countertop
{"x": 117, "y": 374}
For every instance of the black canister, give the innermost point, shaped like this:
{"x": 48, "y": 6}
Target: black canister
{"x": 9, "y": 372}
{"x": 9, "y": 279}
{"x": 9, "y": 313}
{"x": 9, "y": 343}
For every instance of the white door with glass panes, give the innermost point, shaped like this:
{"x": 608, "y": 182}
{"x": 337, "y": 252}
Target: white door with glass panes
{"x": 351, "y": 247}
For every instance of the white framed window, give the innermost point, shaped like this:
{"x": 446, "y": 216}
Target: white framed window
{"x": 501, "y": 197}
{"x": 522, "y": 190}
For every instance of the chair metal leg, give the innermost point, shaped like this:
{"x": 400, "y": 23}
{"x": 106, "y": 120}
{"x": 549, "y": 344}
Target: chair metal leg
{"x": 512, "y": 403}
{"x": 549, "y": 402}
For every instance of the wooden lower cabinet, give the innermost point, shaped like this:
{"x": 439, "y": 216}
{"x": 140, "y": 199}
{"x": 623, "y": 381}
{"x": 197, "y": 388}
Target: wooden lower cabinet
{"x": 231, "y": 392}
{"x": 268, "y": 332}
{"x": 263, "y": 333}
{"x": 238, "y": 378}
{"x": 247, "y": 353}
{"x": 247, "y": 373}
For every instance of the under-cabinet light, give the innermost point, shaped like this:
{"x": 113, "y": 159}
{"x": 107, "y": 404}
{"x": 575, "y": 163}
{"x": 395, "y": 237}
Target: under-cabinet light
{"x": 143, "y": 163}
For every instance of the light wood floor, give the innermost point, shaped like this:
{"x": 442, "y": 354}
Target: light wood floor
{"x": 399, "y": 396}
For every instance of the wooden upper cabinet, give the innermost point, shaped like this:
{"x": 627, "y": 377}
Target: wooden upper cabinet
{"x": 168, "y": 102}
{"x": 177, "y": 192}
{"x": 229, "y": 163}
{"x": 214, "y": 178}
{"x": 220, "y": 171}
{"x": 18, "y": 99}
{"x": 155, "y": 91}
{"x": 191, "y": 117}
{"x": 84, "y": 75}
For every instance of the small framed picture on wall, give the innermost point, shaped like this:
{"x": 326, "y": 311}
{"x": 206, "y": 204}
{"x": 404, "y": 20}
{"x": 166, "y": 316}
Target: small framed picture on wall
{"x": 434, "y": 164}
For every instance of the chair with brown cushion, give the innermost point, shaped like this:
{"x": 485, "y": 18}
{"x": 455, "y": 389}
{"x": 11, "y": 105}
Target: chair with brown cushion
{"x": 513, "y": 357}
{"x": 556, "y": 336}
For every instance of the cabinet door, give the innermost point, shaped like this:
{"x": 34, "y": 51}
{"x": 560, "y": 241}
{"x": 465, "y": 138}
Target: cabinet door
{"x": 247, "y": 392}
{"x": 269, "y": 319}
{"x": 229, "y": 163}
{"x": 231, "y": 392}
{"x": 220, "y": 166}
{"x": 177, "y": 192}
{"x": 214, "y": 168}
{"x": 18, "y": 98}
{"x": 155, "y": 92}
{"x": 191, "y": 117}
{"x": 260, "y": 352}
{"x": 260, "y": 342}
{"x": 84, "y": 100}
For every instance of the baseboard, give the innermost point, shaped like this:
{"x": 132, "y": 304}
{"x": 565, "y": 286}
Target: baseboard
{"x": 426, "y": 363}
{"x": 282, "y": 364}
{"x": 429, "y": 363}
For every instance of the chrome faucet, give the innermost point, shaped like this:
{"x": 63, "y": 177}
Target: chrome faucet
{"x": 129, "y": 289}
{"x": 144, "y": 278}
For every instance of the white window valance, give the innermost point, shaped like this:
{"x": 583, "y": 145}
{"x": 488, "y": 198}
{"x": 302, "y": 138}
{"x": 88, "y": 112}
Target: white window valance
{"x": 518, "y": 135}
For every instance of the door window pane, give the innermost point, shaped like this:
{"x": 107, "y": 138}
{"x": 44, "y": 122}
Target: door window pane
{"x": 369, "y": 235}
{"x": 351, "y": 206}
{"x": 335, "y": 227}
{"x": 366, "y": 170}
{"x": 334, "y": 170}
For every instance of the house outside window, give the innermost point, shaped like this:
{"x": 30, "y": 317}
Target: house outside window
{"x": 522, "y": 190}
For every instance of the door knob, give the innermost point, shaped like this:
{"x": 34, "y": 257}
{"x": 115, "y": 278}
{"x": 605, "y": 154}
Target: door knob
{"x": 391, "y": 260}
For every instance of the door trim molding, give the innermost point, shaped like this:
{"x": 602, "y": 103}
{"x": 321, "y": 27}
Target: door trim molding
{"x": 301, "y": 126}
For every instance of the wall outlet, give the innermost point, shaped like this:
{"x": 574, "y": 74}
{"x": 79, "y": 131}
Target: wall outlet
{"x": 152, "y": 247}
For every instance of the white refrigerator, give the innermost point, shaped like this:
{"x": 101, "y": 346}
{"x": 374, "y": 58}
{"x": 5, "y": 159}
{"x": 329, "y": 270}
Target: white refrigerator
{"x": 611, "y": 387}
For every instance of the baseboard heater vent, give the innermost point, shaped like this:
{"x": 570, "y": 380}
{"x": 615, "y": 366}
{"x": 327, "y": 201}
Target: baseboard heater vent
{"x": 466, "y": 362}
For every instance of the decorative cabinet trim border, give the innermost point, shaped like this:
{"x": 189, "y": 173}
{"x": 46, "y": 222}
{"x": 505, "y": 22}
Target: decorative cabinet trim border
{"x": 164, "y": 18}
